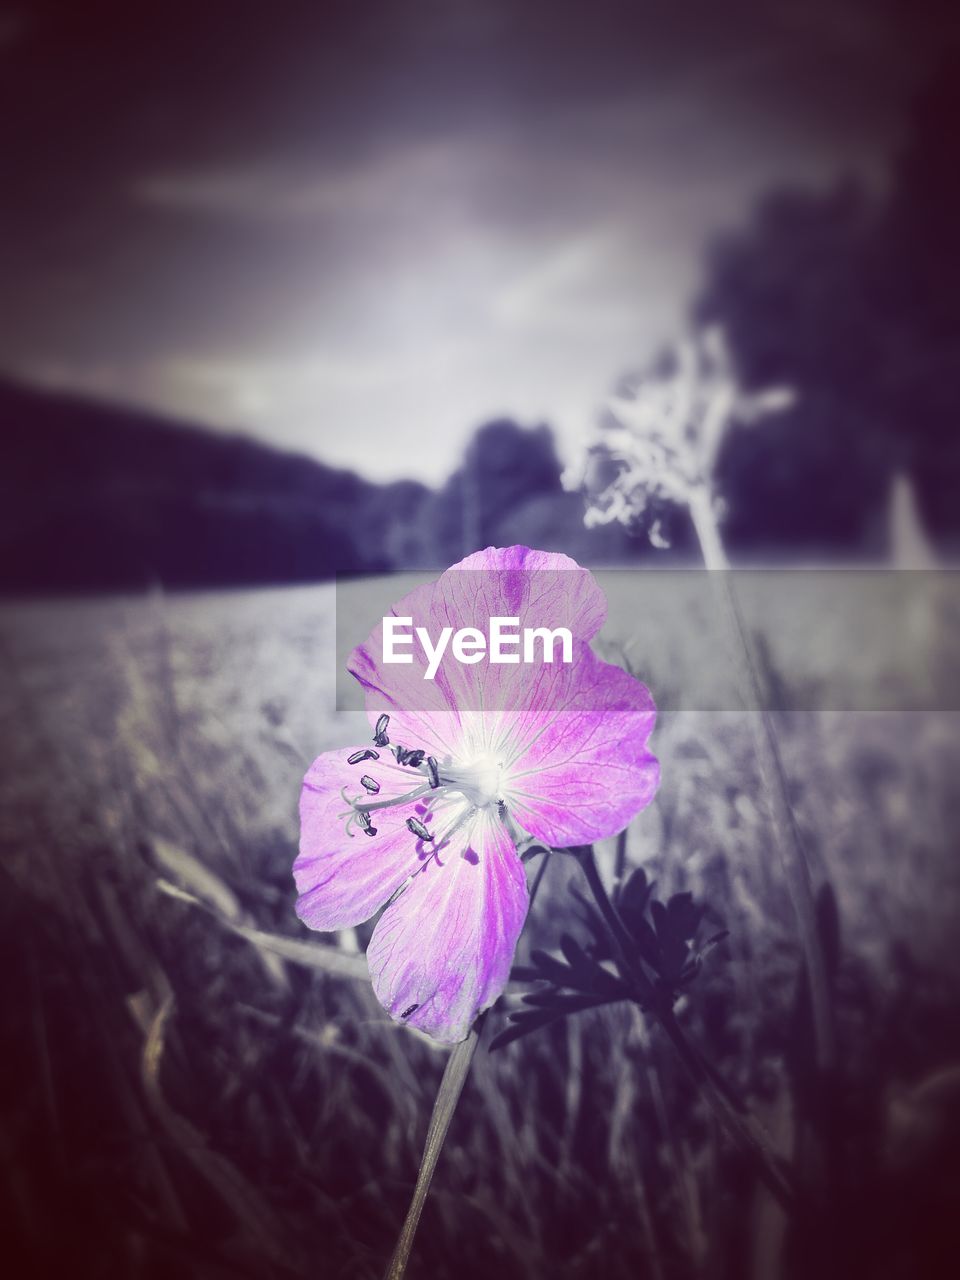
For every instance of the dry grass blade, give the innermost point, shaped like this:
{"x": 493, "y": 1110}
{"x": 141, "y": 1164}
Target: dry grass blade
{"x": 210, "y": 889}
{"x": 344, "y": 964}
{"x": 197, "y": 877}
{"x": 332, "y": 960}
{"x": 252, "y": 1214}
{"x": 451, "y": 1086}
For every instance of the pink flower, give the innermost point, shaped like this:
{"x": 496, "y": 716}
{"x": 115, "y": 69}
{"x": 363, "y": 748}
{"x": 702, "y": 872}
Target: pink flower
{"x": 460, "y": 769}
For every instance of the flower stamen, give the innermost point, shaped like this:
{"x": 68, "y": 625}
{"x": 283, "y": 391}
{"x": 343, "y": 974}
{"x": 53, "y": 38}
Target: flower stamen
{"x": 366, "y": 826}
{"x": 368, "y": 806}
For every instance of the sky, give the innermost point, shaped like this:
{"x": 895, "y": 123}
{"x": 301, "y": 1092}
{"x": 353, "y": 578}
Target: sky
{"x": 361, "y": 229}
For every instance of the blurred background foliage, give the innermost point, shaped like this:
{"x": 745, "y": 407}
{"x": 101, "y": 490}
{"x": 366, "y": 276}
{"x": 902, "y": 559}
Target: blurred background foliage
{"x": 196, "y": 1086}
{"x": 848, "y": 297}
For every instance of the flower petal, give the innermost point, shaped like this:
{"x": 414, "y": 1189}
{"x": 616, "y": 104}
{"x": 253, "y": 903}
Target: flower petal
{"x": 580, "y": 768}
{"x": 441, "y": 952}
{"x": 544, "y": 587}
{"x": 538, "y": 588}
{"x": 344, "y": 878}
{"x": 422, "y": 713}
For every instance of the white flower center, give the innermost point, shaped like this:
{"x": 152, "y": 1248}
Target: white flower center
{"x": 479, "y": 780}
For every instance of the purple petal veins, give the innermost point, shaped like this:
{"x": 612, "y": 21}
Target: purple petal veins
{"x": 558, "y": 752}
{"x": 446, "y": 943}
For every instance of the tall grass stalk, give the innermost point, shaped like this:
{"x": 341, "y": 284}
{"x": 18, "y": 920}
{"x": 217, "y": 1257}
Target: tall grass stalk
{"x": 789, "y": 841}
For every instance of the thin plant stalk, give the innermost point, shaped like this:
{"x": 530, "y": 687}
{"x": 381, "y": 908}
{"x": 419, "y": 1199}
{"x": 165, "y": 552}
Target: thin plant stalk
{"x": 742, "y": 1129}
{"x": 451, "y": 1086}
{"x": 448, "y": 1095}
{"x": 789, "y": 841}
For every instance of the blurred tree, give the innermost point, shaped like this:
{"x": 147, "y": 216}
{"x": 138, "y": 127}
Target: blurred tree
{"x": 917, "y": 265}
{"x": 855, "y": 301}
{"x": 791, "y": 293}
{"x": 505, "y": 465}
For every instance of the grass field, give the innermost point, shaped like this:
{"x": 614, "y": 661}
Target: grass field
{"x": 186, "y": 1100}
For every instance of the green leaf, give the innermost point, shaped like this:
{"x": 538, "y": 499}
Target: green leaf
{"x": 684, "y": 916}
{"x": 524, "y": 1023}
{"x": 633, "y": 897}
{"x": 309, "y": 955}
{"x": 576, "y": 958}
{"x": 549, "y": 967}
{"x": 525, "y": 973}
{"x": 559, "y": 1006}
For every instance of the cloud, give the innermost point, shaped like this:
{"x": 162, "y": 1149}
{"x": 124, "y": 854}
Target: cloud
{"x": 421, "y": 172}
{"x": 259, "y": 193}
{"x": 358, "y": 243}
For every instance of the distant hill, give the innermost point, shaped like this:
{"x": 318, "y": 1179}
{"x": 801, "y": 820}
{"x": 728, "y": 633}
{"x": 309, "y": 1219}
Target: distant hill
{"x": 96, "y": 497}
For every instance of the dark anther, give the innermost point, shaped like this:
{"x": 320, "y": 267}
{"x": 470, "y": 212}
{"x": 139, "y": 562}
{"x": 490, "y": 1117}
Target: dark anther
{"x": 369, "y": 831}
{"x": 370, "y": 784}
{"x": 365, "y": 754}
{"x": 403, "y": 754}
{"x": 418, "y": 829}
{"x": 407, "y": 1012}
{"x": 380, "y": 732}
{"x": 434, "y": 771}
{"x": 364, "y": 819}
{"x": 415, "y": 758}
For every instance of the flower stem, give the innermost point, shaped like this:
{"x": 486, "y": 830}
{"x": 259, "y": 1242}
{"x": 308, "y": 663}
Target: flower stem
{"x": 451, "y": 1086}
{"x": 741, "y": 1128}
{"x": 793, "y": 856}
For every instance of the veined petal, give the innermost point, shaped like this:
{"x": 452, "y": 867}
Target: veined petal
{"x": 422, "y": 713}
{"x": 441, "y": 952}
{"x": 538, "y": 588}
{"x": 580, "y": 768}
{"x": 344, "y": 877}
{"x": 543, "y": 588}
